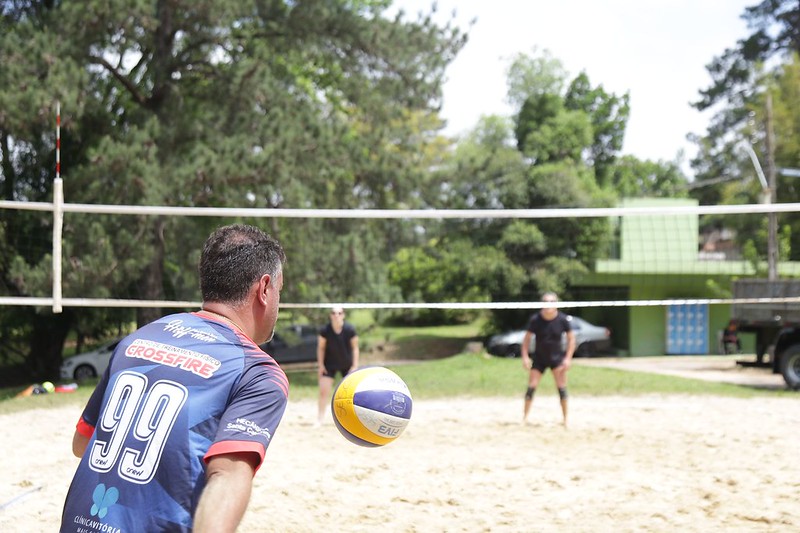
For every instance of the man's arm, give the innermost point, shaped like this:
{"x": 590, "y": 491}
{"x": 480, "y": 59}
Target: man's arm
{"x": 570, "y": 348}
{"x": 355, "y": 350}
{"x": 321, "y": 343}
{"x": 229, "y": 481}
{"x": 526, "y": 342}
{"x": 79, "y": 443}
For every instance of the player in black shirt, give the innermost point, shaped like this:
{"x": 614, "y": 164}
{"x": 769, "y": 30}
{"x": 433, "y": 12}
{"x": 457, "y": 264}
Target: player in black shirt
{"x": 548, "y": 326}
{"x": 337, "y": 353}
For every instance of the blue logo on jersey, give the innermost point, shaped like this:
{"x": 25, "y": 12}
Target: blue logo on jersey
{"x": 103, "y": 499}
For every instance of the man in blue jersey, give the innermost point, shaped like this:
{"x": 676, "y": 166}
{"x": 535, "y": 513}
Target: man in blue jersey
{"x": 547, "y": 327}
{"x": 180, "y": 421}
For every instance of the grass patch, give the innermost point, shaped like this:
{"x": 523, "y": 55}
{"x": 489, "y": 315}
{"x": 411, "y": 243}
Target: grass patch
{"x": 10, "y": 403}
{"x": 479, "y": 375}
{"x": 465, "y": 374}
{"x": 421, "y": 344}
{"x": 460, "y": 332}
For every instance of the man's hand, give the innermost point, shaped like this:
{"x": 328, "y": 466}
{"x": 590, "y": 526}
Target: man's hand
{"x": 527, "y": 364}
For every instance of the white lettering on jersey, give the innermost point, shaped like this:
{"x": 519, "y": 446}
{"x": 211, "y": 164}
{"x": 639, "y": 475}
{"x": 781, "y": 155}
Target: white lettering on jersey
{"x": 178, "y": 330}
{"x": 197, "y": 363}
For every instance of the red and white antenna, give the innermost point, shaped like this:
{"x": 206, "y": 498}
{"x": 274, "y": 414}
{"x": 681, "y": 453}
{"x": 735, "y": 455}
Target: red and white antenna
{"x": 58, "y": 140}
{"x": 58, "y": 217}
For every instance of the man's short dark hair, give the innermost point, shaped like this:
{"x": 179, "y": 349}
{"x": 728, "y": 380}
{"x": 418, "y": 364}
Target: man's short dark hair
{"x": 234, "y": 257}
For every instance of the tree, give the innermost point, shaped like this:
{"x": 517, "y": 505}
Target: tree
{"x": 27, "y": 148}
{"x": 741, "y": 76}
{"x": 775, "y": 32}
{"x": 633, "y": 178}
{"x": 725, "y": 167}
{"x": 453, "y": 270}
{"x": 313, "y": 103}
{"x": 609, "y": 116}
{"x": 537, "y": 159}
{"x": 548, "y": 132}
{"x": 535, "y": 74}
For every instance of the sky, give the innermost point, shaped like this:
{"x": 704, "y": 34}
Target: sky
{"x": 656, "y": 50}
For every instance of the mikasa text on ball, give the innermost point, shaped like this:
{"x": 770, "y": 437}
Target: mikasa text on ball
{"x": 371, "y": 406}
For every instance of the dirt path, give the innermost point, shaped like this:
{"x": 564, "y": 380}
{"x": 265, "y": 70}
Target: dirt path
{"x": 721, "y": 369}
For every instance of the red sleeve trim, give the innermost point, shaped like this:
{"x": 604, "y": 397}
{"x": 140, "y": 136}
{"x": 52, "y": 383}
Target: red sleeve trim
{"x": 84, "y": 428}
{"x": 236, "y": 446}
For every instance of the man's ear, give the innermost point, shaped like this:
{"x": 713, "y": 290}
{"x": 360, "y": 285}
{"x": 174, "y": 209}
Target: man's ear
{"x": 264, "y": 288}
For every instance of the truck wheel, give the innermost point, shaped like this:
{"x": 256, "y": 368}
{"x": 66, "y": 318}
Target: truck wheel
{"x": 790, "y": 366}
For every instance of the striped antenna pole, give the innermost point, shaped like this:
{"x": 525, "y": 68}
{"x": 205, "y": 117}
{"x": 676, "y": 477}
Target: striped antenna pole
{"x": 58, "y": 217}
{"x": 58, "y": 140}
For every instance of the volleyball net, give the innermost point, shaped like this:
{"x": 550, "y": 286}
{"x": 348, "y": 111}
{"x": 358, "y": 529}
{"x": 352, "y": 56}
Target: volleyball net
{"x": 658, "y": 255}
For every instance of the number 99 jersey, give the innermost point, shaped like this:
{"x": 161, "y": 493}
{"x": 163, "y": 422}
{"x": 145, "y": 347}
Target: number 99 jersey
{"x": 177, "y": 392}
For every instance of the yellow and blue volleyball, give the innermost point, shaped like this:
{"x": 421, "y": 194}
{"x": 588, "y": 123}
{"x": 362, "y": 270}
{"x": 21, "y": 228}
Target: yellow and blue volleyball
{"x": 371, "y": 406}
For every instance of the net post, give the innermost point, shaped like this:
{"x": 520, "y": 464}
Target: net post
{"x": 58, "y": 224}
{"x": 58, "y": 217}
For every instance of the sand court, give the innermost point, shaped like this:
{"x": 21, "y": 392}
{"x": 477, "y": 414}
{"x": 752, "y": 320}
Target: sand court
{"x": 648, "y": 463}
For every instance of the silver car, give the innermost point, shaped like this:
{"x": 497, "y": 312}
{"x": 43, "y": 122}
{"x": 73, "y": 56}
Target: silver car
{"x": 589, "y": 340}
{"x": 90, "y": 364}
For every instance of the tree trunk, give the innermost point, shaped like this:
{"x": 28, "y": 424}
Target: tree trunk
{"x": 47, "y": 344}
{"x": 151, "y": 285}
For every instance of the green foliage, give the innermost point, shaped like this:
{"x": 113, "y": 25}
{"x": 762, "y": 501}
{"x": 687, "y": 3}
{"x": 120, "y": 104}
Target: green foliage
{"x": 609, "y": 117}
{"x": 555, "y": 274}
{"x": 722, "y": 156}
{"x": 633, "y": 178}
{"x": 564, "y": 136}
{"x": 538, "y": 73}
{"x": 786, "y": 127}
{"x": 785, "y": 241}
{"x": 524, "y": 242}
{"x": 451, "y": 271}
{"x": 751, "y": 255}
{"x": 567, "y": 145}
{"x": 483, "y": 173}
{"x": 741, "y": 77}
{"x": 775, "y": 32}
{"x": 315, "y": 104}
{"x": 717, "y": 290}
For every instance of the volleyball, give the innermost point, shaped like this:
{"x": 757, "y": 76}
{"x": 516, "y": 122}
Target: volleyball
{"x": 371, "y": 407}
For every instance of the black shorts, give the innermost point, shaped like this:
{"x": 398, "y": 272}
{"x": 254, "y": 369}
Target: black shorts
{"x": 332, "y": 369}
{"x": 542, "y": 363}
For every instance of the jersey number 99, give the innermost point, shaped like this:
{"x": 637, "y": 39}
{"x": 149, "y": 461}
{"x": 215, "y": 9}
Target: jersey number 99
{"x": 147, "y": 416}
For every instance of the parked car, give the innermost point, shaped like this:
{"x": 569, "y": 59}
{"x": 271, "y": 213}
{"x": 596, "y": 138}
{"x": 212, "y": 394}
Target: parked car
{"x": 296, "y": 343}
{"x": 291, "y": 344}
{"x": 90, "y": 364}
{"x": 589, "y": 340}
